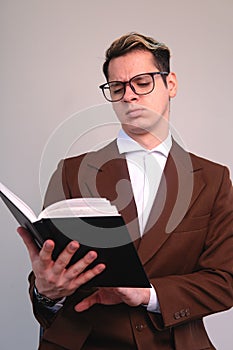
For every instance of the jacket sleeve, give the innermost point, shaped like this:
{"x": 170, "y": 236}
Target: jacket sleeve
{"x": 61, "y": 184}
{"x": 43, "y": 314}
{"x": 57, "y": 190}
{"x": 209, "y": 288}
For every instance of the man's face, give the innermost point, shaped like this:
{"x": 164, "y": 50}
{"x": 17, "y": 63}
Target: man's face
{"x": 141, "y": 114}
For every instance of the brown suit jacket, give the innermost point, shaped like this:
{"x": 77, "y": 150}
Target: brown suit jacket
{"x": 186, "y": 251}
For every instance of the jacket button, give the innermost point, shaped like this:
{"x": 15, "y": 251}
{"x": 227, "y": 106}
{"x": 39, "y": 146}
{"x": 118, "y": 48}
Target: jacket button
{"x": 139, "y": 327}
{"x": 177, "y": 315}
{"x": 187, "y": 312}
{"x": 182, "y": 313}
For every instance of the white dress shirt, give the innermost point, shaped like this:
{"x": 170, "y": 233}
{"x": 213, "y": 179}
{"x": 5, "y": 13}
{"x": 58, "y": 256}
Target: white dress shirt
{"x": 145, "y": 170}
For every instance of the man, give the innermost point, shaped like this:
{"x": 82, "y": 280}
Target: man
{"x": 178, "y": 207}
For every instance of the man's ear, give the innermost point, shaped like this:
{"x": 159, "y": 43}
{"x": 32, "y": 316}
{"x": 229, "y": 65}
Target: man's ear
{"x": 172, "y": 84}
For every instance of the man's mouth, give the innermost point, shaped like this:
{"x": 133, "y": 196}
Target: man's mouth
{"x": 134, "y": 112}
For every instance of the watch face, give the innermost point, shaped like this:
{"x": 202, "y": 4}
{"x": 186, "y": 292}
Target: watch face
{"x": 46, "y": 301}
{"x": 42, "y": 299}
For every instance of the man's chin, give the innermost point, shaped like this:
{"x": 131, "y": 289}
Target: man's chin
{"x": 135, "y": 129}
{"x": 157, "y": 131}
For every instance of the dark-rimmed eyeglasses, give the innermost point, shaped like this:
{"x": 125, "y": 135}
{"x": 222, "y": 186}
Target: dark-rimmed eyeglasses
{"x": 141, "y": 84}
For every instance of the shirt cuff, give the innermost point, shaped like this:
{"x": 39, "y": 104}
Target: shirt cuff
{"x": 153, "y": 305}
{"x": 57, "y": 306}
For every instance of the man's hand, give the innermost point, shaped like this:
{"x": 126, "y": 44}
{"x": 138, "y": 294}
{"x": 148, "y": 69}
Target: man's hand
{"x": 53, "y": 279}
{"x": 112, "y": 296}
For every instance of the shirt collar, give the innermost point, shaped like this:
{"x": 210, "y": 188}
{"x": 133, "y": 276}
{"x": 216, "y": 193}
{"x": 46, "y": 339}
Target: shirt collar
{"x": 126, "y": 144}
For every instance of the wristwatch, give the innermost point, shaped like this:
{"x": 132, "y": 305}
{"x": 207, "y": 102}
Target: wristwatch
{"x": 43, "y": 300}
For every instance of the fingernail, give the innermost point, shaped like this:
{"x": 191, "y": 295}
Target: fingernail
{"x": 92, "y": 255}
{"x": 101, "y": 268}
{"x": 73, "y": 246}
{"x": 47, "y": 245}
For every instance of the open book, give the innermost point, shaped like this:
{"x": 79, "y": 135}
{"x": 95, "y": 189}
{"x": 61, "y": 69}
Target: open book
{"x": 95, "y": 224}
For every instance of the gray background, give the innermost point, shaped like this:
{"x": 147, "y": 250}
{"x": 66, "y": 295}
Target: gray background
{"x": 51, "y": 57}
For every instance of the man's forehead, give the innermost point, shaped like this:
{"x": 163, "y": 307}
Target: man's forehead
{"x": 131, "y": 64}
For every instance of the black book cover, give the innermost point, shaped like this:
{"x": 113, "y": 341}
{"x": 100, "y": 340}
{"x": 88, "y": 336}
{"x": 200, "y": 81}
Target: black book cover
{"x": 107, "y": 235}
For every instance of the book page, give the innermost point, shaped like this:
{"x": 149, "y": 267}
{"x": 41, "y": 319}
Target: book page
{"x": 80, "y": 207}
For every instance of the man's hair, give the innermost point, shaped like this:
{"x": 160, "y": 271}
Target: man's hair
{"x": 135, "y": 41}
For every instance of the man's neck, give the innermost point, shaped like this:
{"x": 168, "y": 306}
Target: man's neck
{"x": 147, "y": 140}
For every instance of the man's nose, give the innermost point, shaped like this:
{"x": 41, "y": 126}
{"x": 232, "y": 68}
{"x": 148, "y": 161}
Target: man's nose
{"x": 129, "y": 94}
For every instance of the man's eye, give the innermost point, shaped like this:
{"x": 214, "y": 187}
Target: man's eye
{"x": 143, "y": 83}
{"x": 116, "y": 89}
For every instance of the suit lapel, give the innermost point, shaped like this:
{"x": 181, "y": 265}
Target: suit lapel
{"x": 180, "y": 186}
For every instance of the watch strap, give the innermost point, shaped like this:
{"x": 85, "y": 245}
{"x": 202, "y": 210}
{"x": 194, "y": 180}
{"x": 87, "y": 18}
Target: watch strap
{"x": 43, "y": 300}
